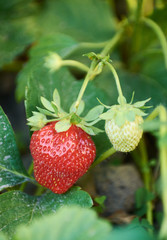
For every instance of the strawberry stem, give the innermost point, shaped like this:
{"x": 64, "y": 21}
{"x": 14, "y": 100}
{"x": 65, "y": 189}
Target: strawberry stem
{"x": 111, "y": 44}
{"x": 117, "y": 82}
{"x": 76, "y": 64}
{"x": 162, "y": 113}
{"x": 91, "y": 73}
{"x": 103, "y": 156}
{"x": 158, "y": 31}
{"x": 163, "y": 169}
{"x": 146, "y": 177}
{"x": 92, "y": 44}
{"x": 30, "y": 171}
{"x": 85, "y": 83}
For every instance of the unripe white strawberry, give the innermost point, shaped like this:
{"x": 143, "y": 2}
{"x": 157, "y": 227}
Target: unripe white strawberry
{"x": 123, "y": 124}
{"x": 126, "y": 137}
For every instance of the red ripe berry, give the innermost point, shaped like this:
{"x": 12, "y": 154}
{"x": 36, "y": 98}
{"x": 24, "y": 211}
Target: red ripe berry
{"x": 61, "y": 158}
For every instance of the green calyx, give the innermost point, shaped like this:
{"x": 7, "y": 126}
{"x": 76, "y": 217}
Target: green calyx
{"x": 53, "y": 111}
{"x": 101, "y": 62}
{"x": 125, "y": 112}
{"x": 98, "y": 57}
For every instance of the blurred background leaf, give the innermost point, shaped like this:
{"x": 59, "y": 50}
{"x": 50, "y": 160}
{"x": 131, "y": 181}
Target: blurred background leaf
{"x": 72, "y": 223}
{"x": 23, "y": 208}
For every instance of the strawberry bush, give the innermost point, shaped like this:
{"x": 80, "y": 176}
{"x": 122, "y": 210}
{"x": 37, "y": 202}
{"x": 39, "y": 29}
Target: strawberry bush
{"x": 83, "y": 84}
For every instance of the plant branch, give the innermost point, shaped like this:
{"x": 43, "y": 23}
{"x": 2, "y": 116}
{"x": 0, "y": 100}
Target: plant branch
{"x": 117, "y": 82}
{"x": 154, "y": 114}
{"x": 91, "y": 73}
{"x": 111, "y": 44}
{"x": 73, "y": 63}
{"x": 92, "y": 44}
{"x": 155, "y": 27}
{"x": 103, "y": 156}
{"x": 163, "y": 169}
{"x": 30, "y": 171}
{"x": 146, "y": 177}
{"x": 162, "y": 113}
{"x": 85, "y": 83}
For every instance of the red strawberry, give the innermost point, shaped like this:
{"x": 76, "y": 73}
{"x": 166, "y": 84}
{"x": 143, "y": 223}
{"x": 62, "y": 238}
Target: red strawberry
{"x": 61, "y": 158}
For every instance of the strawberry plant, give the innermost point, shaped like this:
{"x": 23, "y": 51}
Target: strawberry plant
{"x": 83, "y": 87}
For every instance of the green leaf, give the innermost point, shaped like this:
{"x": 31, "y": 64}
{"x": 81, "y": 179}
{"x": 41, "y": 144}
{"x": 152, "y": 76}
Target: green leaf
{"x": 93, "y": 122}
{"x": 79, "y": 19}
{"x": 88, "y": 130}
{"x": 62, "y": 125}
{"x": 37, "y": 121}
{"x": 141, "y": 103}
{"x": 56, "y": 97}
{"x": 80, "y": 107}
{"x": 134, "y": 231}
{"x": 16, "y": 31}
{"x": 97, "y": 130}
{"x": 139, "y": 112}
{"x": 142, "y": 196}
{"x": 146, "y": 224}
{"x": 72, "y": 223}
{"x": 59, "y": 43}
{"x": 107, "y": 115}
{"x": 46, "y": 112}
{"x": 47, "y": 104}
{"x": 2, "y": 236}
{"x": 94, "y": 113}
{"x": 130, "y": 116}
{"x": 19, "y": 208}
{"x": 12, "y": 171}
{"x": 153, "y": 125}
{"x": 120, "y": 118}
{"x": 100, "y": 200}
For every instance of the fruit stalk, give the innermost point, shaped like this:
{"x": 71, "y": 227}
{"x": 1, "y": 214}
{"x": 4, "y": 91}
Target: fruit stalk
{"x": 85, "y": 83}
{"x": 103, "y": 156}
{"x": 30, "y": 170}
{"x": 163, "y": 169}
{"x": 111, "y": 44}
{"x": 73, "y": 63}
{"x": 117, "y": 82}
{"x": 147, "y": 177}
{"x": 158, "y": 31}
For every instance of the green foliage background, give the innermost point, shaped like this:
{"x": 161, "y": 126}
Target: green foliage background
{"x": 32, "y": 29}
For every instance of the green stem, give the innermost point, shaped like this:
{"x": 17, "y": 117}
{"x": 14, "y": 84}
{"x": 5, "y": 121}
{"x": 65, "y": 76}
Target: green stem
{"x": 163, "y": 169}
{"x": 137, "y": 29}
{"x": 91, "y": 74}
{"x": 139, "y": 10}
{"x": 155, "y": 27}
{"x": 39, "y": 190}
{"x": 85, "y": 83}
{"x": 146, "y": 177}
{"x": 73, "y": 63}
{"x": 30, "y": 170}
{"x": 154, "y": 114}
{"x": 117, "y": 82}
{"x": 103, "y": 156}
{"x": 92, "y": 45}
{"x": 111, "y": 44}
